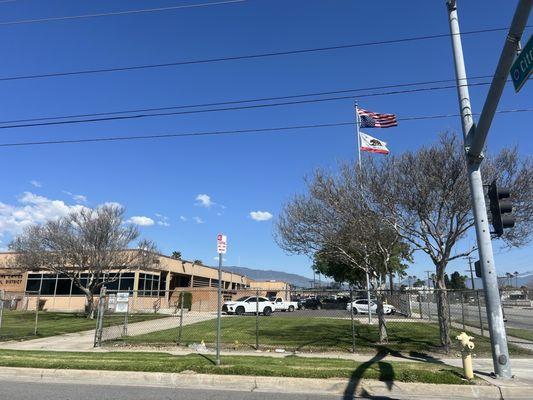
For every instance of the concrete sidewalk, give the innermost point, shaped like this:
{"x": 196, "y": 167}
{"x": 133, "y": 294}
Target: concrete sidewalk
{"x": 84, "y": 341}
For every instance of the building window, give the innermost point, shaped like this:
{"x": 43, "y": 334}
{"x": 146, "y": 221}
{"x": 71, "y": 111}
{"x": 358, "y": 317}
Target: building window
{"x": 148, "y": 285}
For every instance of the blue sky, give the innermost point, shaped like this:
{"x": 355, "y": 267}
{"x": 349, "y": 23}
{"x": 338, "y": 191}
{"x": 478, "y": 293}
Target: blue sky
{"x": 161, "y": 179}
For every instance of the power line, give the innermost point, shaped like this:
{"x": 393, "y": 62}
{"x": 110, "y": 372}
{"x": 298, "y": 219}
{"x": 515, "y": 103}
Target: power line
{"x": 241, "y": 57}
{"x": 230, "y": 102}
{"x": 223, "y": 109}
{"x": 220, "y": 133}
{"x": 111, "y": 13}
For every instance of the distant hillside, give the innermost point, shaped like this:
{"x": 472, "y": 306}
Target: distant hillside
{"x": 261, "y": 275}
{"x": 524, "y": 279}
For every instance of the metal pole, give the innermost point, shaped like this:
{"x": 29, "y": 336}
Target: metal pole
{"x": 1, "y": 306}
{"x": 368, "y": 297}
{"x": 37, "y": 312}
{"x": 219, "y": 306}
{"x": 462, "y": 309}
{"x": 428, "y": 292}
{"x": 357, "y": 126}
{"x": 511, "y": 46}
{"x": 352, "y": 320}
{"x": 479, "y": 313}
{"x": 500, "y": 352}
{"x": 257, "y": 319}
{"x": 420, "y": 305}
{"x": 180, "y": 331}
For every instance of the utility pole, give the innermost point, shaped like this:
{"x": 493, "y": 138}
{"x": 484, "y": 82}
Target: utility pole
{"x": 471, "y": 273}
{"x": 474, "y": 143}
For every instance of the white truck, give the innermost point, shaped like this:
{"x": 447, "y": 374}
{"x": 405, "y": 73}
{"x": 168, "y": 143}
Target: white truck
{"x": 249, "y": 304}
{"x": 282, "y": 305}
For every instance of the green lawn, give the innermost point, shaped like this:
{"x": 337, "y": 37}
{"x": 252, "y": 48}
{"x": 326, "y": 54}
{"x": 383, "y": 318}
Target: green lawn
{"x": 520, "y": 333}
{"x": 310, "y": 334}
{"x": 19, "y": 325}
{"x": 291, "y": 366}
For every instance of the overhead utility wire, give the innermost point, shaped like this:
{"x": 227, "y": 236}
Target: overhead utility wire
{"x": 230, "y": 102}
{"x": 241, "y": 57}
{"x": 114, "y": 13}
{"x": 222, "y": 109}
{"x": 219, "y": 133}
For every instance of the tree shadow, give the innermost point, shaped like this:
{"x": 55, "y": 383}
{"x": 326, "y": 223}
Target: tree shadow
{"x": 386, "y": 374}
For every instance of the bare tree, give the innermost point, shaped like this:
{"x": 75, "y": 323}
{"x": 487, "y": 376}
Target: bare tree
{"x": 93, "y": 243}
{"x": 424, "y": 195}
{"x": 334, "y": 221}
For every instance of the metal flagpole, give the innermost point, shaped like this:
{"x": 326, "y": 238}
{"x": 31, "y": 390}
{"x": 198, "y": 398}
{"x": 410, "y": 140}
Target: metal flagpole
{"x": 357, "y": 125}
{"x": 360, "y": 164}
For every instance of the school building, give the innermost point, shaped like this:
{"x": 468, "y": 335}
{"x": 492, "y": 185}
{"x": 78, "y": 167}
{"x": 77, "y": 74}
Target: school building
{"x": 155, "y": 287}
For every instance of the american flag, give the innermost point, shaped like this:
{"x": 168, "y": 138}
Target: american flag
{"x": 371, "y": 119}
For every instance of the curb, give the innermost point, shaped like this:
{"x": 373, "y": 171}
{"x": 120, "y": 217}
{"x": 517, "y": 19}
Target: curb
{"x": 191, "y": 380}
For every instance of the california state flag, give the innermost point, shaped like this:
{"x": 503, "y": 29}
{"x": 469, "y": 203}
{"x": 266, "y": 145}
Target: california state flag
{"x": 373, "y": 145}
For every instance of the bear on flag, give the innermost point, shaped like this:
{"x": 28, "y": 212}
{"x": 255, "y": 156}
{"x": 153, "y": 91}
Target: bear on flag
{"x": 372, "y": 145}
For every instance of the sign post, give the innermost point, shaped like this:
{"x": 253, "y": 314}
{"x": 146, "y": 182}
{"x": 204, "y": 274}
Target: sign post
{"x": 221, "y": 249}
{"x": 523, "y": 66}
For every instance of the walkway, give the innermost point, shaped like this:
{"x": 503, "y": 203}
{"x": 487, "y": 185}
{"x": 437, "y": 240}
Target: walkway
{"x": 84, "y": 341}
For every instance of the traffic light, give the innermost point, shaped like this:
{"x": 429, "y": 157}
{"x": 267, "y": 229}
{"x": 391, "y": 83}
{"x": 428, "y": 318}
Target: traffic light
{"x": 477, "y": 265}
{"x": 501, "y": 208}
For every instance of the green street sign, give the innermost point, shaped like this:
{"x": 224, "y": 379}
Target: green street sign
{"x": 522, "y": 66}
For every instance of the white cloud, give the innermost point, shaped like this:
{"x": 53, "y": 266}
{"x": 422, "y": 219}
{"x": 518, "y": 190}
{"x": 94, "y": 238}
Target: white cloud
{"x": 36, "y": 184}
{"x": 198, "y": 220}
{"x": 162, "y": 220}
{"x": 183, "y": 218}
{"x": 260, "y": 215}
{"x": 31, "y": 209}
{"x": 78, "y": 198}
{"x": 204, "y": 200}
{"x": 141, "y": 220}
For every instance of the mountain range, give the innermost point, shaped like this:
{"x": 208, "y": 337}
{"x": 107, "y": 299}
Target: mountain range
{"x": 262, "y": 275}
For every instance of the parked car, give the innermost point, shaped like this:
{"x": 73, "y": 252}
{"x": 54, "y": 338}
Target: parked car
{"x": 249, "y": 304}
{"x": 282, "y": 305}
{"x": 361, "y": 307}
{"x": 310, "y": 304}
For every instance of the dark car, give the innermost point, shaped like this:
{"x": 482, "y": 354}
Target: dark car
{"x": 310, "y": 304}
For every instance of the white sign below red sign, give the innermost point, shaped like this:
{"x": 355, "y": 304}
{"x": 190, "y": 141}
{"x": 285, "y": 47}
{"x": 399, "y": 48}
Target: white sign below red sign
{"x": 222, "y": 245}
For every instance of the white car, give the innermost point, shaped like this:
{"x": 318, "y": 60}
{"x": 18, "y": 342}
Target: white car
{"x": 283, "y": 305}
{"x": 361, "y": 307}
{"x": 249, "y": 304}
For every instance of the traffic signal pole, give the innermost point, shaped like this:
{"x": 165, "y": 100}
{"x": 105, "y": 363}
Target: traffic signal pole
{"x": 498, "y": 338}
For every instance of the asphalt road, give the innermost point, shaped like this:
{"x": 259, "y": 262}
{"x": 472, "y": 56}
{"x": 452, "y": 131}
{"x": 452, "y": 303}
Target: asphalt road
{"x": 59, "y": 391}
{"x": 517, "y": 317}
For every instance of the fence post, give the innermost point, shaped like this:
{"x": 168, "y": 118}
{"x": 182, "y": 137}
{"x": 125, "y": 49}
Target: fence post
{"x": 353, "y": 321}
{"x": 429, "y": 294}
{"x": 257, "y": 319}
{"x": 180, "y": 331}
{"x": 449, "y": 307}
{"x": 420, "y": 305}
{"x": 37, "y": 313}
{"x": 1, "y": 306}
{"x": 100, "y": 318}
{"x": 462, "y": 309}
{"x": 479, "y": 313}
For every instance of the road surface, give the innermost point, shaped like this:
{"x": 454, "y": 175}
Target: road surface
{"x": 60, "y": 391}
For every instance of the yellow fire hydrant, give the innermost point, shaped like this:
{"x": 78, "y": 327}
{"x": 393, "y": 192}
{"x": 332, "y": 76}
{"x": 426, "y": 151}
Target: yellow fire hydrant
{"x": 466, "y": 353}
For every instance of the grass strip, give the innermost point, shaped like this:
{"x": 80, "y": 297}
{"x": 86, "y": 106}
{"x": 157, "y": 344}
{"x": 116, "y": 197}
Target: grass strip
{"x": 311, "y": 334}
{"x": 290, "y": 366}
{"x": 19, "y": 325}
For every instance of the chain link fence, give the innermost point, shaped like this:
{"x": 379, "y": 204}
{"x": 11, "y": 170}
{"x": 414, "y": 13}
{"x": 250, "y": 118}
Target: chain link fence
{"x": 299, "y": 320}
{"x": 19, "y": 314}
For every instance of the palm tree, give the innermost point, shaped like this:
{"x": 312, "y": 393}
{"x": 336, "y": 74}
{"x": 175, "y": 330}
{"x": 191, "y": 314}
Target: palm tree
{"x": 516, "y": 278}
